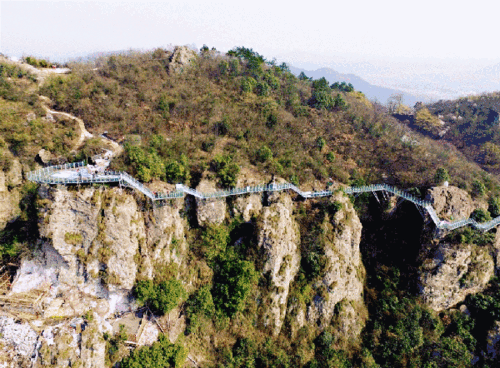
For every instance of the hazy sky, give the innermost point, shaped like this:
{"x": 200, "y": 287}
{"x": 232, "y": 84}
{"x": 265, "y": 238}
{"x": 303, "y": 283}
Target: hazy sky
{"x": 453, "y": 31}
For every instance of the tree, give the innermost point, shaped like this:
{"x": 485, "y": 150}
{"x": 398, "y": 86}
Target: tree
{"x": 162, "y": 297}
{"x": 264, "y": 153}
{"x": 425, "y": 120}
{"x": 441, "y": 176}
{"x": 303, "y": 77}
{"x": 478, "y": 189}
{"x": 232, "y": 285}
{"x": 320, "y": 143}
{"x": 227, "y": 171}
{"x": 480, "y": 215}
{"x": 394, "y": 102}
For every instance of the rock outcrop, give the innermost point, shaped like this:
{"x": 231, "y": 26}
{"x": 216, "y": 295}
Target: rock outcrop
{"x": 452, "y": 203}
{"x": 9, "y": 193}
{"x": 345, "y": 274}
{"x": 210, "y": 211}
{"x": 181, "y": 59}
{"x": 279, "y": 240}
{"x": 453, "y": 272}
{"x": 493, "y": 342}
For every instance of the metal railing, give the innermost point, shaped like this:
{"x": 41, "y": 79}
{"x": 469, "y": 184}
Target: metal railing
{"x": 46, "y": 176}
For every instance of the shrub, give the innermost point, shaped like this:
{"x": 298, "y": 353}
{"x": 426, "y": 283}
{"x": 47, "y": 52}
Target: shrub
{"x": 73, "y": 238}
{"x": 480, "y": 215}
{"x": 441, "y": 176}
{"x": 214, "y": 241}
{"x": 262, "y": 88}
{"x": 233, "y": 284}
{"x": 494, "y": 206}
{"x": 177, "y": 172}
{"x": 320, "y": 143}
{"x": 162, "y": 354}
{"x": 162, "y": 297}
{"x": 271, "y": 121}
{"x": 264, "y": 153}
{"x": 478, "y": 189}
{"x": 227, "y": 171}
{"x": 248, "y": 84}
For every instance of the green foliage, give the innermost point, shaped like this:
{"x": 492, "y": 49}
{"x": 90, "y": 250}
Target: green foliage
{"x": 148, "y": 165}
{"x": 162, "y": 354}
{"x": 320, "y": 84}
{"x": 271, "y": 121}
{"x": 441, "y": 176}
{"x": 214, "y": 241}
{"x": 480, "y": 215}
{"x": 264, "y": 154}
{"x": 178, "y": 171}
{"x": 227, "y": 171}
{"x": 199, "y": 306}
{"x": 37, "y": 63}
{"x": 262, "y": 89}
{"x": 248, "y": 84}
{"x": 478, "y": 189}
{"x": 344, "y": 87}
{"x": 73, "y": 238}
{"x": 326, "y": 355}
{"x": 162, "y": 297}
{"x": 320, "y": 143}
{"x": 330, "y": 156}
{"x": 448, "y": 352}
{"x": 233, "y": 283}
{"x": 468, "y": 235}
{"x": 322, "y": 99}
{"x": 494, "y": 206}
{"x": 304, "y": 77}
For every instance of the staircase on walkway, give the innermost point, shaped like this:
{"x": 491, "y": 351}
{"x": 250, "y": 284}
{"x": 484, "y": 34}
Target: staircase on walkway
{"x": 77, "y": 173}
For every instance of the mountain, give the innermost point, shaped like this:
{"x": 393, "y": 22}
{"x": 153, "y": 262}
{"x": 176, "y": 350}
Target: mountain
{"x": 371, "y": 91}
{"x": 251, "y": 276}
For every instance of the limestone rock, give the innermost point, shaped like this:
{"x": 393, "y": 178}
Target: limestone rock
{"x": 493, "y": 342}
{"x": 69, "y": 225}
{"x": 9, "y": 193}
{"x": 279, "y": 239}
{"x": 166, "y": 239}
{"x": 452, "y": 203}
{"x": 345, "y": 273}
{"x": 181, "y": 59}
{"x": 89, "y": 242}
{"x": 454, "y": 271}
{"x": 247, "y": 206}
{"x": 20, "y": 337}
{"x": 93, "y": 348}
{"x": 124, "y": 228}
{"x": 210, "y": 211}
{"x": 44, "y": 156}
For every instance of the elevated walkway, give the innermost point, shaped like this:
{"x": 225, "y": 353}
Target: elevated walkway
{"x": 78, "y": 173}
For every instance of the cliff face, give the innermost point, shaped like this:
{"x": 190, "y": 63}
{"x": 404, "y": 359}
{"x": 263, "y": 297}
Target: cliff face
{"x": 9, "y": 193}
{"x": 453, "y": 272}
{"x": 345, "y": 273}
{"x": 96, "y": 243}
{"x": 279, "y": 239}
{"x": 452, "y": 203}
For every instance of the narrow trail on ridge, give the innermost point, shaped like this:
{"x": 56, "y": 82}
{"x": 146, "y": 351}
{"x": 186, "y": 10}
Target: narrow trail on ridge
{"x": 84, "y": 133}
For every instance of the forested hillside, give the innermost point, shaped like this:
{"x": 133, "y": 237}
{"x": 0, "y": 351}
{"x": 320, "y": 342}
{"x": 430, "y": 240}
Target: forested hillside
{"x": 472, "y": 125}
{"x": 269, "y": 280}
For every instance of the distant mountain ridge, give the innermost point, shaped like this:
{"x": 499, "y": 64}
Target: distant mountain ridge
{"x": 371, "y": 91}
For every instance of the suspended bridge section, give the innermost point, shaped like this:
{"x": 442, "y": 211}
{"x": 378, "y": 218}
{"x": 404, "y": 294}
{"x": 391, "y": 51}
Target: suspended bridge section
{"x": 79, "y": 173}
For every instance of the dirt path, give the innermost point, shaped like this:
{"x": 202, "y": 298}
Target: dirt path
{"x": 40, "y": 73}
{"x": 84, "y": 133}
